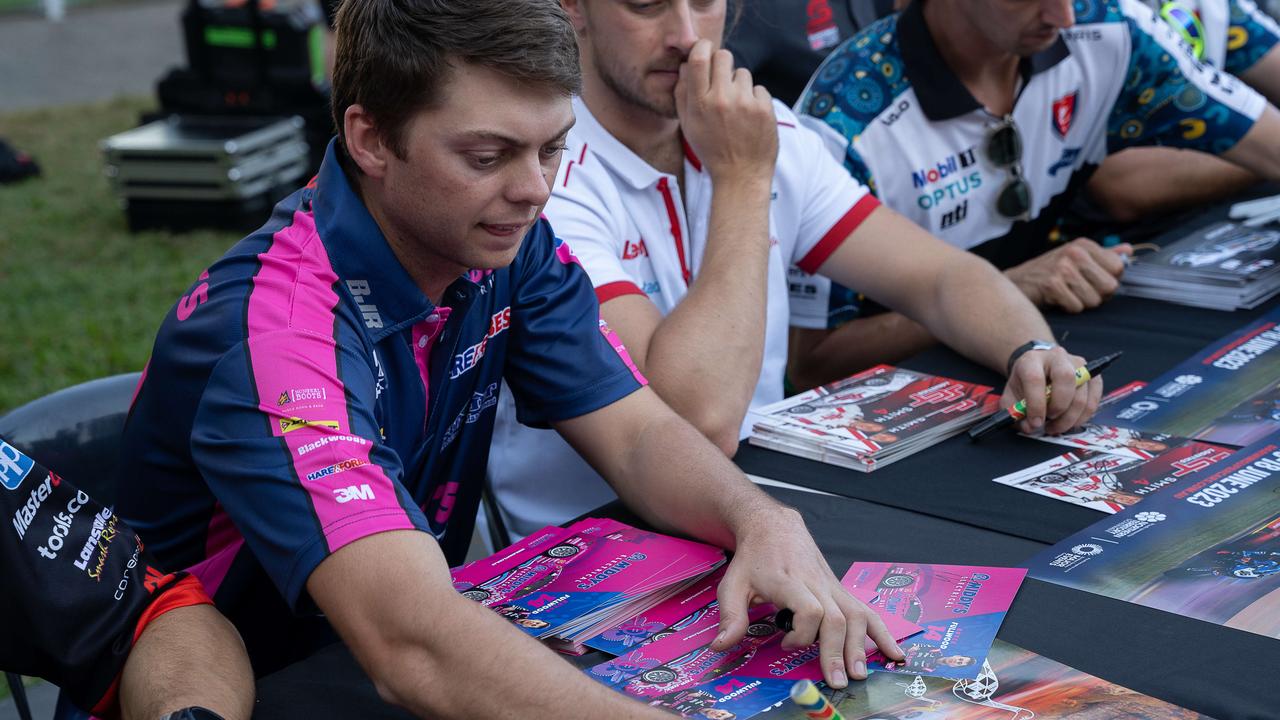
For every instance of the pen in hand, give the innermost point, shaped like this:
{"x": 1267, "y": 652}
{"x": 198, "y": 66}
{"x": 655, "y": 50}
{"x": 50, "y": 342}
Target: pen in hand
{"x": 1018, "y": 410}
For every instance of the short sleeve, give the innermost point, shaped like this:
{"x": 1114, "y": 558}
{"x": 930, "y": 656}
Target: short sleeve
{"x": 1169, "y": 98}
{"x": 563, "y": 361}
{"x": 834, "y": 202}
{"x": 286, "y": 438}
{"x": 579, "y": 209}
{"x": 1250, "y": 35}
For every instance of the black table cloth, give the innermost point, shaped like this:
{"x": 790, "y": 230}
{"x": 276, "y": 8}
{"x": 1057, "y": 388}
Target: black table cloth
{"x": 1218, "y": 671}
{"x": 953, "y": 480}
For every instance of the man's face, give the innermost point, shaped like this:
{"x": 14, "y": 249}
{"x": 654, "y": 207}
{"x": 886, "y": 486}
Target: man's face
{"x": 636, "y": 47}
{"x": 1021, "y": 27}
{"x": 477, "y": 169}
{"x": 956, "y": 660}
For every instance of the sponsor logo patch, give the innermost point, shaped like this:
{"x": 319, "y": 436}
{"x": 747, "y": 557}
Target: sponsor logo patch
{"x": 354, "y": 492}
{"x": 288, "y": 425}
{"x": 469, "y": 358}
{"x": 1064, "y": 109}
{"x": 334, "y": 469}
{"x": 14, "y": 466}
{"x": 1068, "y": 159}
{"x": 360, "y": 290}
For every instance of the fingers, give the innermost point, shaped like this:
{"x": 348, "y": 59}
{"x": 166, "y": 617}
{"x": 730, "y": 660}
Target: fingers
{"x": 699, "y": 68}
{"x": 1108, "y": 259}
{"x": 1076, "y": 411}
{"x": 809, "y": 617}
{"x": 1028, "y": 383}
{"x": 840, "y": 643}
{"x": 732, "y": 599}
{"x": 1101, "y": 278}
{"x": 722, "y": 73}
{"x": 1062, "y": 377}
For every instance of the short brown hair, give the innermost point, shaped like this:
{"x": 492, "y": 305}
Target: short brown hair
{"x": 394, "y": 56}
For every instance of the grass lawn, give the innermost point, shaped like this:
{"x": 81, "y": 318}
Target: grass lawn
{"x": 80, "y": 296}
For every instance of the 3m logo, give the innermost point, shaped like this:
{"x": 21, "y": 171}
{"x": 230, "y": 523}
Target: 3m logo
{"x": 354, "y": 492}
{"x": 290, "y": 424}
{"x": 1064, "y": 109}
{"x": 14, "y": 466}
{"x": 154, "y": 580}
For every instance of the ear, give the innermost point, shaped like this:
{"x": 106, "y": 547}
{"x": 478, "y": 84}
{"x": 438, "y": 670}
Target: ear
{"x": 577, "y": 12}
{"x": 364, "y": 143}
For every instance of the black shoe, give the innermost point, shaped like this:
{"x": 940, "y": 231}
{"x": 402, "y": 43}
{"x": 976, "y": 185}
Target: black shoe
{"x": 15, "y": 165}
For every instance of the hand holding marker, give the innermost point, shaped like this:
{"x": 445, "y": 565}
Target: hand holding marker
{"x": 1019, "y": 409}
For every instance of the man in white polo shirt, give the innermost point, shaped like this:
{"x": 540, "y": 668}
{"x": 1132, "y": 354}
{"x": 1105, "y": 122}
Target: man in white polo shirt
{"x": 686, "y": 193}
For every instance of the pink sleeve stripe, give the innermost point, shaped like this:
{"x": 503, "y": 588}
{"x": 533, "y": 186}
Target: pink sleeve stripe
{"x": 293, "y": 291}
{"x": 838, "y": 234}
{"x": 612, "y": 290}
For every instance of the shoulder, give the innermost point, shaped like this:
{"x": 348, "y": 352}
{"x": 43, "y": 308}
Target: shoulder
{"x": 859, "y": 80}
{"x": 1090, "y": 12}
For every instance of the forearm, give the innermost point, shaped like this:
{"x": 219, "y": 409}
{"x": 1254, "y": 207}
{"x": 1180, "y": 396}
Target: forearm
{"x": 1259, "y": 150}
{"x": 981, "y": 314}
{"x": 722, "y": 316}
{"x": 676, "y": 481}
{"x": 188, "y": 657}
{"x": 476, "y": 665}
{"x": 430, "y": 650}
{"x": 1142, "y": 181}
{"x": 818, "y": 357}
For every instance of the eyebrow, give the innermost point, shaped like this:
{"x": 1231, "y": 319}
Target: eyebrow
{"x": 494, "y": 136}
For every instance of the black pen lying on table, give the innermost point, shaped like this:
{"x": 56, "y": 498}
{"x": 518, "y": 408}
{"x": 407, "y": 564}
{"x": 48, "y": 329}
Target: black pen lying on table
{"x": 1019, "y": 410}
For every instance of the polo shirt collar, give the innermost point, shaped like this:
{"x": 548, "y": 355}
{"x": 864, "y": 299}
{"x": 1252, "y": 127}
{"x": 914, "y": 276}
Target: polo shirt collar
{"x": 629, "y": 166}
{"x": 359, "y": 251}
{"x": 940, "y": 93}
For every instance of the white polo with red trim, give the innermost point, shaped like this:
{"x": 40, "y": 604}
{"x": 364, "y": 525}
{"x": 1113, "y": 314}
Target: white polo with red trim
{"x": 635, "y": 232}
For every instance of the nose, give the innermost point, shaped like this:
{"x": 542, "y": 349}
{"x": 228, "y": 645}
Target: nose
{"x": 531, "y": 183}
{"x": 681, "y": 34}
{"x": 1058, "y": 13}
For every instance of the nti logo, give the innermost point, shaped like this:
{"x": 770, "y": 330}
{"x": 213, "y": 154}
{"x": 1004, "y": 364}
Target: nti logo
{"x": 955, "y": 216}
{"x": 14, "y": 466}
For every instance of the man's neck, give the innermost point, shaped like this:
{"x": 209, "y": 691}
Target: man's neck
{"x": 989, "y": 73}
{"x": 430, "y": 273}
{"x": 653, "y": 137}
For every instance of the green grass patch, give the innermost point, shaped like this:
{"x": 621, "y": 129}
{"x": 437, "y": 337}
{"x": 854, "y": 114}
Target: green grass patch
{"x": 26, "y": 682}
{"x": 80, "y": 296}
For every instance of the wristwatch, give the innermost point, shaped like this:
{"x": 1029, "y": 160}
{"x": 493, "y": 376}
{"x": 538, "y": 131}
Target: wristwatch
{"x": 1023, "y": 349}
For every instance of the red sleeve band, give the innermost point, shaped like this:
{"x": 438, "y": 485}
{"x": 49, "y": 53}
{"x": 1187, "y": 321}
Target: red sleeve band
{"x": 838, "y": 233}
{"x": 612, "y": 290}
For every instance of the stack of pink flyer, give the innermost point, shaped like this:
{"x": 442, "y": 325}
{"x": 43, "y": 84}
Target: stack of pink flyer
{"x": 873, "y": 418}
{"x": 571, "y": 584}
{"x": 960, "y": 608}
{"x": 680, "y": 672}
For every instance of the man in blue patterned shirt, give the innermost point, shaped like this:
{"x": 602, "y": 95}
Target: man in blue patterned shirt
{"x": 980, "y": 120}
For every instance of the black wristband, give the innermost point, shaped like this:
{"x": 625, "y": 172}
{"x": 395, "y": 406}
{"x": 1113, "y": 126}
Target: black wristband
{"x": 193, "y": 713}
{"x": 1023, "y": 349}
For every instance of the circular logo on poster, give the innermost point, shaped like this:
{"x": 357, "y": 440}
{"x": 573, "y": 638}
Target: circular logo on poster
{"x": 1087, "y": 549}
